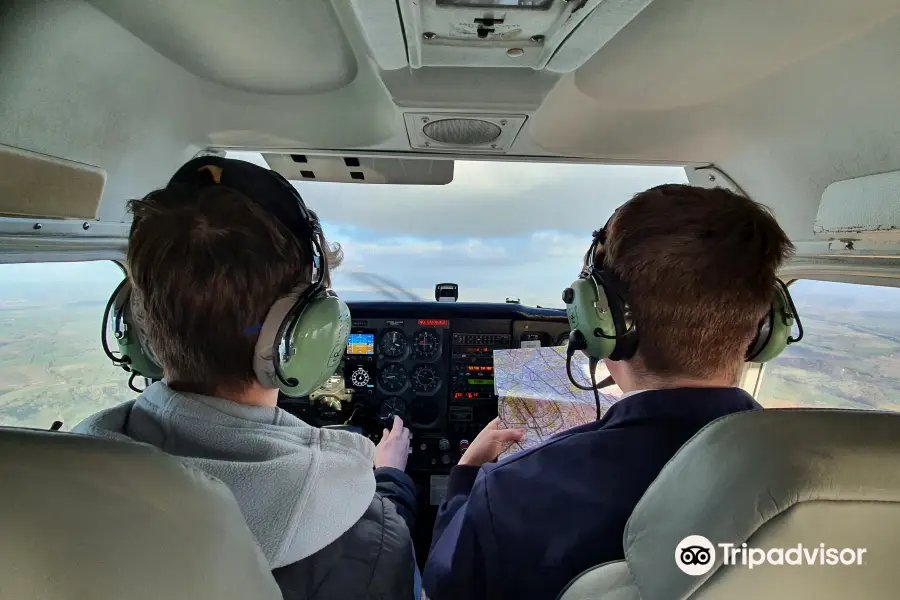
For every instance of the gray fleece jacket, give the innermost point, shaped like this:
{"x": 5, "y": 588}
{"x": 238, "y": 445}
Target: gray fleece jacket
{"x": 300, "y": 487}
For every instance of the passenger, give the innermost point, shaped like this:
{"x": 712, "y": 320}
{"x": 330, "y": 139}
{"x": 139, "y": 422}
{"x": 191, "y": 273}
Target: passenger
{"x": 206, "y": 261}
{"x": 699, "y": 269}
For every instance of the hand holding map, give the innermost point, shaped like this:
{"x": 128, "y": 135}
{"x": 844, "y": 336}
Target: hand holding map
{"x": 490, "y": 443}
{"x": 535, "y": 394}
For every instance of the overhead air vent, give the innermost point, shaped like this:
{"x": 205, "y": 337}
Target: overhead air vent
{"x": 476, "y": 132}
{"x": 462, "y": 131}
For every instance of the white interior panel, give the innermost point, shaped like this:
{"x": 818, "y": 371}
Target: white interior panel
{"x": 265, "y": 46}
{"x": 77, "y": 85}
{"x": 595, "y": 31}
{"x": 782, "y": 98}
{"x": 690, "y": 52}
{"x": 782, "y": 138}
{"x": 383, "y": 31}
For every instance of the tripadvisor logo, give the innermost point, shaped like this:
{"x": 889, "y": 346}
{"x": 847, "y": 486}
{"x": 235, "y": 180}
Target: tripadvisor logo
{"x": 695, "y": 555}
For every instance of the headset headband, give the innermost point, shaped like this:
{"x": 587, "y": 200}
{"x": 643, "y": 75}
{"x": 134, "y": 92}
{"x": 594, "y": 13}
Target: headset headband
{"x": 264, "y": 186}
{"x": 598, "y": 240}
{"x": 271, "y": 191}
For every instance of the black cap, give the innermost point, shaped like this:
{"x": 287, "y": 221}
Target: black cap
{"x": 265, "y": 187}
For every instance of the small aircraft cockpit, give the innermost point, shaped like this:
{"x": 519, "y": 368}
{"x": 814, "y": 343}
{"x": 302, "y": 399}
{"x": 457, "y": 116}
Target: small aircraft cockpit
{"x": 462, "y": 154}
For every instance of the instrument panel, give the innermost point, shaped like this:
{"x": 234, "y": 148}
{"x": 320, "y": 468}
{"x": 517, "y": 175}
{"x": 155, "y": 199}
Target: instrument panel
{"x": 394, "y": 366}
{"x": 432, "y": 365}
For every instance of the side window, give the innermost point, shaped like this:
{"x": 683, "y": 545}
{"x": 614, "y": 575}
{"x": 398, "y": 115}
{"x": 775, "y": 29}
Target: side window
{"x": 850, "y": 353}
{"x": 52, "y": 367}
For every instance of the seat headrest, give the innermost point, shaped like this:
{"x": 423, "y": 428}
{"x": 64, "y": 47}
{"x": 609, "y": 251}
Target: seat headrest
{"x": 775, "y": 479}
{"x": 89, "y": 518}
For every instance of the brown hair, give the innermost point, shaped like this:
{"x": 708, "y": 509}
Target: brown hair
{"x": 699, "y": 266}
{"x": 205, "y": 265}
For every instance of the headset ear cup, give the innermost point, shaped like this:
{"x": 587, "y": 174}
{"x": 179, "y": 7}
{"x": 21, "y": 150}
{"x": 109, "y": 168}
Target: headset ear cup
{"x": 774, "y": 330}
{"x": 139, "y": 355}
{"x": 588, "y": 312}
{"x": 625, "y": 331}
{"x": 264, "y": 353}
{"x": 626, "y": 342}
{"x": 318, "y": 338}
{"x": 763, "y": 335}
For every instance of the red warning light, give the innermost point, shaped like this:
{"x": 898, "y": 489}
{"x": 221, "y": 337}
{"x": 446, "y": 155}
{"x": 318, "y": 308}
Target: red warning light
{"x": 434, "y": 323}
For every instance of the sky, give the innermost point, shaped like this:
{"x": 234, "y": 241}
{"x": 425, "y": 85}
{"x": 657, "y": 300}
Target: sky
{"x": 498, "y": 230}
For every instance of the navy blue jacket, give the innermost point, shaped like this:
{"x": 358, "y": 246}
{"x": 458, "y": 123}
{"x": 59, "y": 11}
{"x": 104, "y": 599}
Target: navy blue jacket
{"x": 524, "y": 527}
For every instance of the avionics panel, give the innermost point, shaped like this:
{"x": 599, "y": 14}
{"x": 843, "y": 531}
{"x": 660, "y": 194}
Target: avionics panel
{"x": 473, "y": 403}
{"x": 360, "y": 374}
{"x": 405, "y": 358}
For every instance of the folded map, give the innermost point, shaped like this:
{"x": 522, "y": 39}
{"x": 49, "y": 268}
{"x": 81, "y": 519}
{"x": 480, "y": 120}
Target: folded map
{"x": 535, "y": 394}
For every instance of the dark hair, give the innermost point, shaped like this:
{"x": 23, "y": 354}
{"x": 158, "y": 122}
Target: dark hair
{"x": 699, "y": 266}
{"x": 205, "y": 265}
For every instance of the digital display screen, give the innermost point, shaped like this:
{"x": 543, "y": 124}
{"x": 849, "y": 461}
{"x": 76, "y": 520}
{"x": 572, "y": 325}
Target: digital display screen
{"x": 480, "y": 368}
{"x": 472, "y": 350}
{"x": 360, "y": 377}
{"x": 471, "y": 395}
{"x": 481, "y": 382}
{"x": 361, "y": 343}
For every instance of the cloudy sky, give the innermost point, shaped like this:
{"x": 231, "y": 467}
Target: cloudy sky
{"x": 499, "y": 230}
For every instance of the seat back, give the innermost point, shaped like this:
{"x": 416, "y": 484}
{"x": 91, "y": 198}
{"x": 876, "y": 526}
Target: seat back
{"x": 88, "y": 518}
{"x": 815, "y": 484}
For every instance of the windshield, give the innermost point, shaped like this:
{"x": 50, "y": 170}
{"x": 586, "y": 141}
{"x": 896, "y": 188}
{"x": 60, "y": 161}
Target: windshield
{"x": 500, "y": 230}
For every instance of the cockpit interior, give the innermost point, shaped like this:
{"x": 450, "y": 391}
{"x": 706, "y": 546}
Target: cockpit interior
{"x": 462, "y": 152}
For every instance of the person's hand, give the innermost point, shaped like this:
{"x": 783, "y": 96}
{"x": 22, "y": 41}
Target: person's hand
{"x": 393, "y": 449}
{"x": 490, "y": 443}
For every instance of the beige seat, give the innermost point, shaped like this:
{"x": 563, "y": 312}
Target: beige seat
{"x": 84, "y": 518}
{"x": 772, "y": 479}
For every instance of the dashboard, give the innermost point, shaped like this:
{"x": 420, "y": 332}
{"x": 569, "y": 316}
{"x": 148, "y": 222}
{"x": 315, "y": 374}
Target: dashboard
{"x": 430, "y": 363}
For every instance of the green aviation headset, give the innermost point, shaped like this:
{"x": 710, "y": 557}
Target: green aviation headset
{"x": 602, "y": 324}
{"x": 303, "y": 336}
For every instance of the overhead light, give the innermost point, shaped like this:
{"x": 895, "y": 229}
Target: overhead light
{"x": 529, "y": 4}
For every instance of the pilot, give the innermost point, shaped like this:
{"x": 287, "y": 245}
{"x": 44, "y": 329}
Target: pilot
{"x": 209, "y": 258}
{"x": 698, "y": 269}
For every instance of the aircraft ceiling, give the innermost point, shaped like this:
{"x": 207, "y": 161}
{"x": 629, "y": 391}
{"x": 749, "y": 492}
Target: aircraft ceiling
{"x": 785, "y": 98}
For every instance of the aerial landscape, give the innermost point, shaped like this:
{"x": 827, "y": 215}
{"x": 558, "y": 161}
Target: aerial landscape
{"x": 849, "y": 356}
{"x": 51, "y": 364}
{"x": 52, "y": 367}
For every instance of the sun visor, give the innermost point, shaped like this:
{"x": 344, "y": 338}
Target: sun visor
{"x": 863, "y": 208}
{"x": 37, "y": 185}
{"x": 358, "y": 169}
